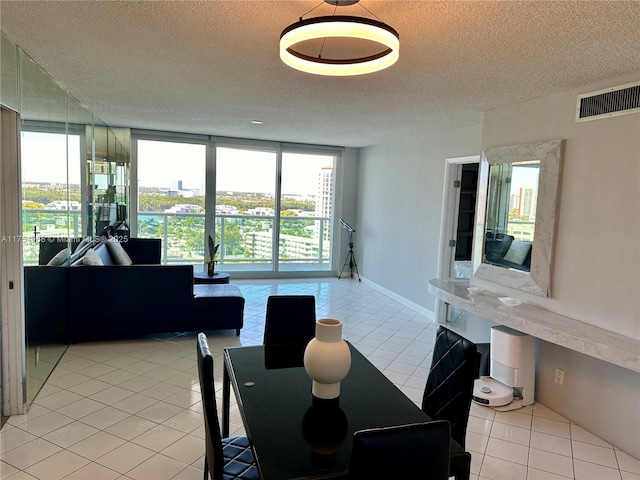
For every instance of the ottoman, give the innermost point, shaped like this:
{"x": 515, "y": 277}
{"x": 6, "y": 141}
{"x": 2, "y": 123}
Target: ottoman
{"x": 218, "y": 307}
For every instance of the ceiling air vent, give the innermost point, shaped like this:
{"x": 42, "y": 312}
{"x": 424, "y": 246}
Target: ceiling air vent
{"x": 609, "y": 102}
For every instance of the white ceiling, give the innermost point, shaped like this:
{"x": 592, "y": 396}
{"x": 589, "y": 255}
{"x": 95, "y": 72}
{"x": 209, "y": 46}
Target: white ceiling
{"x": 213, "y": 66}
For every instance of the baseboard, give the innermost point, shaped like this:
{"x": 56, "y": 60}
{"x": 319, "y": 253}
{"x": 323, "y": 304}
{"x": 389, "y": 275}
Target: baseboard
{"x": 400, "y": 299}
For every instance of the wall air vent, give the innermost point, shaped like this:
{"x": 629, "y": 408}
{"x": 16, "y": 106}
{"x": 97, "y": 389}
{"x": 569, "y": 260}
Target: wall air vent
{"x": 610, "y": 102}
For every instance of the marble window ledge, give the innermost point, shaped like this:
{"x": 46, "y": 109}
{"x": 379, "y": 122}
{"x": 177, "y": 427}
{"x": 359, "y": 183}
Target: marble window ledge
{"x": 538, "y": 322}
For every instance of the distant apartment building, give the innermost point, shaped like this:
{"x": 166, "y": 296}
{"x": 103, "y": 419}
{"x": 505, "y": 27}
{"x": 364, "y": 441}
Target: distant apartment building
{"x": 184, "y": 208}
{"x": 291, "y": 247}
{"x": 63, "y": 205}
{"x": 527, "y": 205}
{"x": 514, "y": 202}
{"x": 226, "y": 210}
{"x": 262, "y": 211}
{"x": 324, "y": 194}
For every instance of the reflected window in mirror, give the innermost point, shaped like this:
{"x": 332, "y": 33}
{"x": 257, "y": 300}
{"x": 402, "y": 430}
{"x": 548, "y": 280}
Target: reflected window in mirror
{"x": 514, "y": 232}
{"x": 511, "y": 214}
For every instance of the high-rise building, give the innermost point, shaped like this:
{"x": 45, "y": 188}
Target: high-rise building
{"x": 324, "y": 194}
{"x": 528, "y": 200}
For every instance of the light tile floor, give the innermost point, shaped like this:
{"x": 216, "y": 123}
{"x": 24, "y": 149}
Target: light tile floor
{"x": 131, "y": 409}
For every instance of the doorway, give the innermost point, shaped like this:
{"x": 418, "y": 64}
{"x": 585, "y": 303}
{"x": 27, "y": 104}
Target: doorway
{"x": 457, "y": 227}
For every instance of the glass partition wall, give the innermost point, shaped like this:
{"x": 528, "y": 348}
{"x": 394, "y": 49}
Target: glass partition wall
{"x": 107, "y": 173}
{"x": 46, "y": 213}
{"x": 56, "y": 146}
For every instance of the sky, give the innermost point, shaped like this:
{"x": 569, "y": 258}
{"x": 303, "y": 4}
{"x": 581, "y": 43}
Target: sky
{"x": 162, "y": 164}
{"x": 44, "y": 158}
{"x": 524, "y": 177}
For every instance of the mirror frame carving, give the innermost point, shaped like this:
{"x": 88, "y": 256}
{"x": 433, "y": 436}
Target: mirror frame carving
{"x": 538, "y": 280}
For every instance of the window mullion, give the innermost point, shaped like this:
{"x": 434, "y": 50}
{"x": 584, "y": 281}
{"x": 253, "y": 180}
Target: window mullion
{"x": 276, "y": 219}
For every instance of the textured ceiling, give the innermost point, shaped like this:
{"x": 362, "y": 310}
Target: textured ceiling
{"x": 213, "y": 66}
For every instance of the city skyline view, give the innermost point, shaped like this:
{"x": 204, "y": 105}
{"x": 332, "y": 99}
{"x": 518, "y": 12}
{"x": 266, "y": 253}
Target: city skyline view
{"x": 171, "y": 193}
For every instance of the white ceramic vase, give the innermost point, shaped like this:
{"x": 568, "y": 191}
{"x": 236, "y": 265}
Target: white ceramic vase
{"x": 327, "y": 358}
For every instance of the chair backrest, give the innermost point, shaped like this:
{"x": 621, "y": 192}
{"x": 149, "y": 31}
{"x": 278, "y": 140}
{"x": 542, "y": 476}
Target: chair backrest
{"x": 291, "y": 319}
{"x": 447, "y": 395}
{"x": 416, "y": 451}
{"x": 213, "y": 439}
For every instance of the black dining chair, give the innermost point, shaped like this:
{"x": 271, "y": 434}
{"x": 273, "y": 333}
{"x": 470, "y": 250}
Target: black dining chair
{"x": 225, "y": 458}
{"x": 290, "y": 319}
{"x": 447, "y": 395}
{"x": 415, "y": 451}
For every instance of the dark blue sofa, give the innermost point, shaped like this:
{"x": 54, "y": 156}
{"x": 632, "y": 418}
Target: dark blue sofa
{"x": 86, "y": 303}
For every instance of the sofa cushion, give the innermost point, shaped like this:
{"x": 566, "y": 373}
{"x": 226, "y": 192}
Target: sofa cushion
{"x": 76, "y": 256}
{"x": 120, "y": 257}
{"x": 83, "y": 242}
{"x": 518, "y": 251}
{"x": 91, "y": 258}
{"x": 103, "y": 252}
{"x": 60, "y": 258}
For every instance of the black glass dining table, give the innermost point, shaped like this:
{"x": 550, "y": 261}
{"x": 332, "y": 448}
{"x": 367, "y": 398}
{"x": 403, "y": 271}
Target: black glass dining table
{"x": 296, "y": 436}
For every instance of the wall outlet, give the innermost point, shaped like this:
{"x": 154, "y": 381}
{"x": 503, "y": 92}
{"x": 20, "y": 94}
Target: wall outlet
{"x": 559, "y": 376}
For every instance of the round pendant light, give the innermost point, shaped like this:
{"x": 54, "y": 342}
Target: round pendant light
{"x": 339, "y": 26}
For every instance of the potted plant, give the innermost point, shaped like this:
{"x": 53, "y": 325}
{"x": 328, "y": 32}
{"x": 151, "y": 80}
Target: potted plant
{"x": 211, "y": 260}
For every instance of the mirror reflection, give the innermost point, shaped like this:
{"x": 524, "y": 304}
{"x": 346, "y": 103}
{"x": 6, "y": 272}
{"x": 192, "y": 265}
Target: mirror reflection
{"x": 511, "y": 214}
{"x": 47, "y": 149}
{"x": 516, "y": 215}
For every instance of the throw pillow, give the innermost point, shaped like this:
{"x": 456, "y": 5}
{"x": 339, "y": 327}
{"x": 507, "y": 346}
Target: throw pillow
{"x": 91, "y": 258}
{"x": 518, "y": 251}
{"x": 76, "y": 257}
{"x": 83, "y": 242}
{"x": 60, "y": 258}
{"x": 118, "y": 253}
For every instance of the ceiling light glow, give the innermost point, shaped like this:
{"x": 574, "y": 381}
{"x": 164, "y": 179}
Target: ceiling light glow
{"x": 345, "y": 27}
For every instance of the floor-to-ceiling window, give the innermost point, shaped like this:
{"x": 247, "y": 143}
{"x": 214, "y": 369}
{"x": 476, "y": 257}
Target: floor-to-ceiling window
{"x": 245, "y": 210}
{"x": 171, "y": 194}
{"x": 306, "y": 210}
{"x": 269, "y": 207}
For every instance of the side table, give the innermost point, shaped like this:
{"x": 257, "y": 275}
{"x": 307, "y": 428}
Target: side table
{"x": 201, "y": 278}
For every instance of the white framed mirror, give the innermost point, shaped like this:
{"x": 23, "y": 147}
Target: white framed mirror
{"x": 516, "y": 215}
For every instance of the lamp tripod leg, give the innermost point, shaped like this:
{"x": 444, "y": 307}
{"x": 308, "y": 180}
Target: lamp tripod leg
{"x": 353, "y": 265}
{"x": 346, "y": 260}
{"x": 357, "y": 272}
{"x": 351, "y": 260}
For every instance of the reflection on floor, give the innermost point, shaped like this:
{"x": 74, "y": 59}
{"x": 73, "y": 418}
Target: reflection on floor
{"x": 131, "y": 409}
{"x": 41, "y": 360}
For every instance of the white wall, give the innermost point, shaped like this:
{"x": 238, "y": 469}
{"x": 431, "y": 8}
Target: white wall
{"x": 399, "y": 206}
{"x": 596, "y": 275}
{"x": 348, "y": 197}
